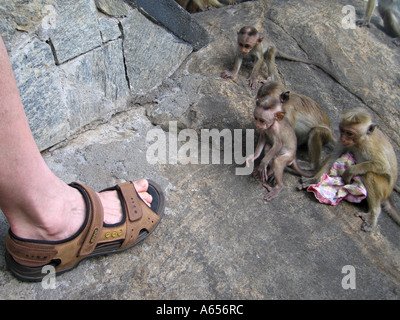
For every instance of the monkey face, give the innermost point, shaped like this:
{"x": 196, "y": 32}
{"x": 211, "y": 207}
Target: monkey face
{"x": 245, "y": 47}
{"x": 263, "y": 119}
{"x": 348, "y": 136}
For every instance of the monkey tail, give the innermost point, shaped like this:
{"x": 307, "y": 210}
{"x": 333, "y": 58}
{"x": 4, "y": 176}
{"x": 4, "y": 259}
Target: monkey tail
{"x": 291, "y": 58}
{"x": 391, "y": 210}
{"x": 299, "y": 171}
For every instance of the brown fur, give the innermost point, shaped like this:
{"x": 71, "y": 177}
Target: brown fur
{"x": 376, "y": 163}
{"x": 310, "y": 122}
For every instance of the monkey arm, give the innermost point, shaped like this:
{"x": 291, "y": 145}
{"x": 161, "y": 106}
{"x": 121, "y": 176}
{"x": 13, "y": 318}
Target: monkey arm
{"x": 306, "y": 182}
{"x": 262, "y": 140}
{"x": 364, "y": 167}
{"x": 257, "y": 67}
{"x": 270, "y": 153}
{"x": 231, "y": 74}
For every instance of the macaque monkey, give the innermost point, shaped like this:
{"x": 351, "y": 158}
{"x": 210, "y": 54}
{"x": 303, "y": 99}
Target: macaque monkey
{"x": 310, "y": 122}
{"x": 193, "y": 5}
{"x": 278, "y": 140}
{"x": 253, "y": 45}
{"x": 376, "y": 163}
{"x": 204, "y": 4}
{"x": 389, "y": 10}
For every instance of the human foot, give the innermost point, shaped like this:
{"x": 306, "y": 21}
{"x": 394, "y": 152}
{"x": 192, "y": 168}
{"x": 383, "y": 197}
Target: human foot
{"x": 61, "y": 217}
{"x": 26, "y": 257}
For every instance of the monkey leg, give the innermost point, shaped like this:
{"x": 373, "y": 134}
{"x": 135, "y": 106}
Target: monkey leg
{"x": 318, "y": 137}
{"x": 269, "y": 58}
{"x": 391, "y": 22}
{"x": 200, "y": 4}
{"x": 279, "y": 164}
{"x": 391, "y": 210}
{"x": 377, "y": 190}
{"x": 214, "y": 3}
{"x": 368, "y": 13}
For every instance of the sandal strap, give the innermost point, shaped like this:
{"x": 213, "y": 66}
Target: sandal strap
{"x": 132, "y": 202}
{"x": 29, "y": 254}
{"x": 95, "y": 223}
{"x": 140, "y": 216}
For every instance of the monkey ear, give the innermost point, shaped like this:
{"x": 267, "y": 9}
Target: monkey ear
{"x": 371, "y": 129}
{"x": 284, "y": 97}
{"x": 279, "y": 115}
{"x": 260, "y": 39}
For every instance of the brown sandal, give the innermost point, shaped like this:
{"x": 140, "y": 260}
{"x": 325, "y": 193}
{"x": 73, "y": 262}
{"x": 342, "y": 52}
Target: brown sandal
{"x": 26, "y": 258}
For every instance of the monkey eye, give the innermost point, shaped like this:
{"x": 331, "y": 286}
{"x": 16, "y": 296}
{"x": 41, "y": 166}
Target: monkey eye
{"x": 262, "y": 121}
{"x": 347, "y": 133}
{"x": 247, "y": 46}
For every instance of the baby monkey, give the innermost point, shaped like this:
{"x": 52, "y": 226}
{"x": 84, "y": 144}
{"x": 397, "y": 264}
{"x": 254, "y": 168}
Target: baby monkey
{"x": 253, "y": 45}
{"x": 376, "y": 163}
{"x": 278, "y": 140}
{"x": 310, "y": 122}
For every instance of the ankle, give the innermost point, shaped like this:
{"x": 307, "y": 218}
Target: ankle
{"x": 56, "y": 216}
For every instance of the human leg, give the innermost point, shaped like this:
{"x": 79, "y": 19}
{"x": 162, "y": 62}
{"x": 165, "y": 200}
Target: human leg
{"x": 37, "y": 204}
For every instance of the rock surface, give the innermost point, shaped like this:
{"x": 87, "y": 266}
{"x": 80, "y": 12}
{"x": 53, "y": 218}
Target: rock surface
{"x": 77, "y": 62}
{"x": 219, "y": 238}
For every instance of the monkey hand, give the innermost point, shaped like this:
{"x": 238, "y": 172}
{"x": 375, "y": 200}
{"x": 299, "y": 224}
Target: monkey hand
{"x": 227, "y": 74}
{"x": 250, "y": 158}
{"x": 347, "y": 175}
{"x": 264, "y": 81}
{"x": 252, "y": 83}
{"x": 263, "y": 171}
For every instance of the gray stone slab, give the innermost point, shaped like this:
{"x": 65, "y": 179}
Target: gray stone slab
{"x": 151, "y": 53}
{"x": 95, "y": 84}
{"x": 177, "y": 20}
{"x": 41, "y": 91}
{"x": 76, "y": 30}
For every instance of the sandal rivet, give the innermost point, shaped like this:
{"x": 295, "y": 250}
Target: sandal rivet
{"x": 108, "y": 234}
{"x": 114, "y": 234}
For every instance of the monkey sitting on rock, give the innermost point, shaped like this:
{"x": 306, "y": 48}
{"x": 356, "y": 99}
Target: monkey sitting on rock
{"x": 278, "y": 141}
{"x": 308, "y": 119}
{"x": 376, "y": 164}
